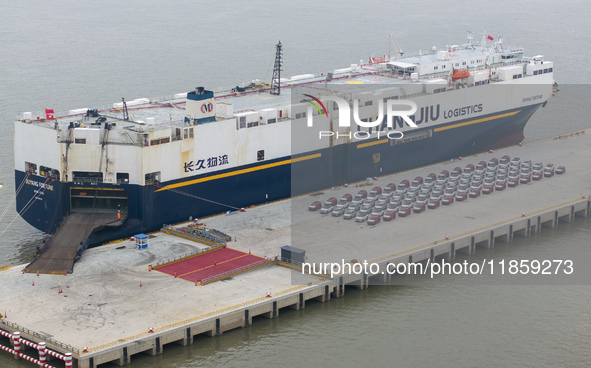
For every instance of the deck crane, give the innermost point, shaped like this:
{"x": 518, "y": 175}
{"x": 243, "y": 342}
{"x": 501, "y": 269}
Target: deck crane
{"x": 399, "y": 52}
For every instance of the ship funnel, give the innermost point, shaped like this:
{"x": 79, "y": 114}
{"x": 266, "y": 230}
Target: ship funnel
{"x": 200, "y": 107}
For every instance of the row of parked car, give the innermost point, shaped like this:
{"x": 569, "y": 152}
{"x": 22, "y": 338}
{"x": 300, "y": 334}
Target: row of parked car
{"x": 433, "y": 190}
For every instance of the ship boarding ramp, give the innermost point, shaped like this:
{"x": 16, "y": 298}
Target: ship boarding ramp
{"x": 58, "y": 254}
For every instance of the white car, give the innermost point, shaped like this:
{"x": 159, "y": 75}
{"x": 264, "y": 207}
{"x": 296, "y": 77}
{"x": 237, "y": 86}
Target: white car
{"x": 326, "y": 208}
{"x": 338, "y": 210}
{"x": 362, "y": 216}
{"x": 350, "y": 213}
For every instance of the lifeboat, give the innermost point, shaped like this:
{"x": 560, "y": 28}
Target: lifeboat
{"x": 373, "y": 60}
{"x": 460, "y": 74}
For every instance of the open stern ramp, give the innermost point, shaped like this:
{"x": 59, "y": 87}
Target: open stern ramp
{"x": 59, "y": 253}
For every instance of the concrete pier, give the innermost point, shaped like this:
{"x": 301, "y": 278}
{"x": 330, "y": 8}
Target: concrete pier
{"x": 103, "y": 315}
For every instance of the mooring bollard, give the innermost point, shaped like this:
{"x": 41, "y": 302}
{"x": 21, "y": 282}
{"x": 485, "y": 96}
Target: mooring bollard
{"x": 17, "y": 344}
{"x": 42, "y": 352}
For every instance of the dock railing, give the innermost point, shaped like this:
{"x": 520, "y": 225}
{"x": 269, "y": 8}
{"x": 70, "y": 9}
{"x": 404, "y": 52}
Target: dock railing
{"x": 170, "y": 260}
{"x": 473, "y": 231}
{"x": 236, "y": 271}
{"x": 40, "y": 336}
{"x": 191, "y": 235}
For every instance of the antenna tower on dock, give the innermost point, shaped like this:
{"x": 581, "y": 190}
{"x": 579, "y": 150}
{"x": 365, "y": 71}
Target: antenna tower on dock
{"x": 276, "y": 82}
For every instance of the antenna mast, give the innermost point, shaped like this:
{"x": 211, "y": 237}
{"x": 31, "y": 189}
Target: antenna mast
{"x": 125, "y": 112}
{"x": 276, "y": 82}
{"x": 470, "y": 38}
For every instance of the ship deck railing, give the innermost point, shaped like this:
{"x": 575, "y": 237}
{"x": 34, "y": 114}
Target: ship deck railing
{"x": 88, "y": 180}
{"x": 445, "y": 74}
{"x": 173, "y": 102}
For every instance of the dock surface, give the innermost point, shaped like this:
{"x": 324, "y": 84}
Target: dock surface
{"x": 331, "y": 239}
{"x": 108, "y": 307}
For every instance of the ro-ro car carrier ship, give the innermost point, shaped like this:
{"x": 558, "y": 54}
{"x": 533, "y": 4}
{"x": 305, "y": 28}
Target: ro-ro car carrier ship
{"x": 201, "y": 153}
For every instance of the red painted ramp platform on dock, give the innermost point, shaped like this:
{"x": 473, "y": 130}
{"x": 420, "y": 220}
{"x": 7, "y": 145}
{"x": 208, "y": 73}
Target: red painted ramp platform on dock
{"x": 217, "y": 262}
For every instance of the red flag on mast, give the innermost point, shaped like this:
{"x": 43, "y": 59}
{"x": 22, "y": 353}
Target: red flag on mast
{"x": 49, "y": 114}
{"x": 490, "y": 38}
